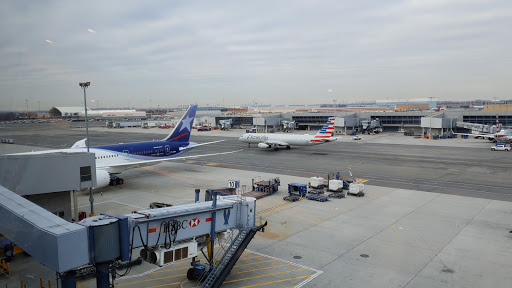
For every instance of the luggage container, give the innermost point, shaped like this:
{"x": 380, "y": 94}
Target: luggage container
{"x": 356, "y": 189}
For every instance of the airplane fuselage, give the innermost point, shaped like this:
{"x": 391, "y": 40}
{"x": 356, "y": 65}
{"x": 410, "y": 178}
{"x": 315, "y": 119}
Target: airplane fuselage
{"x": 126, "y": 153}
{"x": 296, "y": 140}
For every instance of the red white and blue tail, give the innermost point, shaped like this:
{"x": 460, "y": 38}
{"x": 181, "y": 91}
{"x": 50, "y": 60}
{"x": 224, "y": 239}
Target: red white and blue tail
{"x": 498, "y": 128}
{"x": 327, "y": 131}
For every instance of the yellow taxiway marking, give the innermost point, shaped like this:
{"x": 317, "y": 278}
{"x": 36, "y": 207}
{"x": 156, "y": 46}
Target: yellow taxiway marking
{"x": 275, "y": 207}
{"x": 261, "y": 268}
{"x": 211, "y": 164}
{"x": 147, "y": 280}
{"x": 256, "y": 263}
{"x": 164, "y": 285}
{"x": 244, "y": 258}
{"x": 191, "y": 162}
{"x": 259, "y": 276}
{"x": 277, "y": 281}
{"x": 168, "y": 270}
{"x": 361, "y": 180}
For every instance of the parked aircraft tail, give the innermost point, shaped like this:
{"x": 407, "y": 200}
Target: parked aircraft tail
{"x": 498, "y": 128}
{"x": 328, "y": 129}
{"x": 181, "y": 132}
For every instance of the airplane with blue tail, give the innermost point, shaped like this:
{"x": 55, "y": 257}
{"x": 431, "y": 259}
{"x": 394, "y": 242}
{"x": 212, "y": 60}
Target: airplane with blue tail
{"x": 114, "y": 159}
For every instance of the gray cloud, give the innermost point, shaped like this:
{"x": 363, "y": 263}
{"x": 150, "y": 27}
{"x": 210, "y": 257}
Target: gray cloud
{"x": 285, "y": 52}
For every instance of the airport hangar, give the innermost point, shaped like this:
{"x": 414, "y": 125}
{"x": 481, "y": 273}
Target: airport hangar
{"x": 78, "y": 112}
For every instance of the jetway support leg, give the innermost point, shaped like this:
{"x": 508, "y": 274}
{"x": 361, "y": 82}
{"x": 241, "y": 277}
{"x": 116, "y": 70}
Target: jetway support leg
{"x": 212, "y": 229}
{"x": 102, "y": 275}
{"x": 68, "y": 279}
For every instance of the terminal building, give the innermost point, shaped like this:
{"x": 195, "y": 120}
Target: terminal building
{"x": 417, "y": 122}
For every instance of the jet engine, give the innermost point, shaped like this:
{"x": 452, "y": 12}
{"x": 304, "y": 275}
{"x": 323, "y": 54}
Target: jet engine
{"x": 263, "y": 146}
{"x": 102, "y": 179}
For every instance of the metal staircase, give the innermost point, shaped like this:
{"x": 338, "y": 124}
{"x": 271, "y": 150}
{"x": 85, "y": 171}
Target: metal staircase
{"x": 220, "y": 271}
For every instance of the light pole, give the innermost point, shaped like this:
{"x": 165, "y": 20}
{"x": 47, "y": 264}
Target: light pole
{"x": 431, "y": 114}
{"x": 84, "y": 86}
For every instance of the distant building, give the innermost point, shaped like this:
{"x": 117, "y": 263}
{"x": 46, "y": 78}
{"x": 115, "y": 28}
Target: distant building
{"x": 498, "y": 107}
{"x": 77, "y": 112}
{"x": 392, "y": 103}
{"x": 412, "y": 107}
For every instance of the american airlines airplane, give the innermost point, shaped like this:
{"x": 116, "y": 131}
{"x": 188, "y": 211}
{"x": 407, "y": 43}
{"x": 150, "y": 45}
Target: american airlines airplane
{"x": 501, "y": 135}
{"x": 269, "y": 140}
{"x": 116, "y": 158}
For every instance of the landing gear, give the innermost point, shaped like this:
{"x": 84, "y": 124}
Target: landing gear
{"x": 287, "y": 147}
{"x": 276, "y": 148}
{"x": 249, "y": 145}
{"x": 114, "y": 180}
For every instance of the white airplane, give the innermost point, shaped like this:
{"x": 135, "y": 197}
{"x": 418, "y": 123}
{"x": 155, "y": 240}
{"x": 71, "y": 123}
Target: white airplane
{"x": 501, "y": 135}
{"x": 269, "y": 140}
{"x": 116, "y": 158}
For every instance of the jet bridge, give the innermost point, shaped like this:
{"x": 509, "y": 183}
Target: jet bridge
{"x": 167, "y": 234}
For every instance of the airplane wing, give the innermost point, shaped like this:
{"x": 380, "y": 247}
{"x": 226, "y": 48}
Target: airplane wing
{"x": 276, "y": 143}
{"x": 196, "y": 145}
{"x": 153, "y": 162}
{"x": 477, "y": 135}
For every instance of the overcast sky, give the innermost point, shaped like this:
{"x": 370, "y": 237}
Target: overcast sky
{"x": 169, "y": 53}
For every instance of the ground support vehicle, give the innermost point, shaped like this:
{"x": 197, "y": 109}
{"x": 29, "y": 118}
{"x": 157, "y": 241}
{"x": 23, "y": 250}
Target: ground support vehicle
{"x": 337, "y": 195}
{"x": 317, "y": 198}
{"x": 335, "y": 185}
{"x": 500, "y": 147}
{"x": 263, "y": 188}
{"x": 356, "y": 189}
{"x": 317, "y": 182}
{"x": 296, "y": 191}
{"x": 114, "y": 180}
{"x": 316, "y": 191}
{"x": 292, "y": 197}
{"x": 297, "y": 188}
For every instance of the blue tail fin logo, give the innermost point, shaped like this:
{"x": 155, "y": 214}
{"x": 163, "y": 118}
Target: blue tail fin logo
{"x": 181, "y": 132}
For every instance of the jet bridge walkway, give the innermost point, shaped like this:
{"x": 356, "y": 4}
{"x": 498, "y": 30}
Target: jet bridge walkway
{"x": 220, "y": 271}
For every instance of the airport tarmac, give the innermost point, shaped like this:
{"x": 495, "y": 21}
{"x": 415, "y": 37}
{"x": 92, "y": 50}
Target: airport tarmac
{"x": 392, "y": 237}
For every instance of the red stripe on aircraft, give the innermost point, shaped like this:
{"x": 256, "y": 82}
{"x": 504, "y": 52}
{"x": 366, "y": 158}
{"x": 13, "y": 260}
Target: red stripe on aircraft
{"x": 208, "y": 219}
{"x": 152, "y": 230}
{"x": 178, "y": 136}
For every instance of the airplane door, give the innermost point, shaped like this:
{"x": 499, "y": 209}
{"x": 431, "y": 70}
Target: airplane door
{"x": 126, "y": 154}
{"x": 167, "y": 150}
